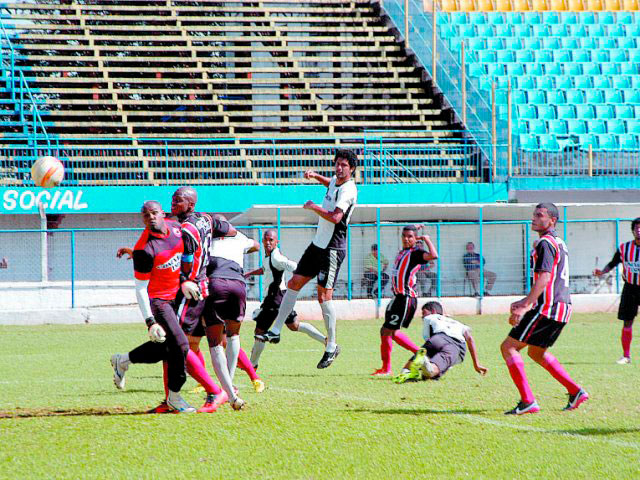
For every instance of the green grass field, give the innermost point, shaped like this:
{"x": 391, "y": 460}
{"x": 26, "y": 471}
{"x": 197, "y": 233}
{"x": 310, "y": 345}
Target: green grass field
{"x": 61, "y": 416}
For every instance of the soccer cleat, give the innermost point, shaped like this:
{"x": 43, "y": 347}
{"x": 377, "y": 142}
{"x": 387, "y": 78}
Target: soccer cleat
{"x": 623, "y": 361}
{"x": 576, "y": 400}
{"x": 258, "y": 385}
{"x": 410, "y": 376}
{"x": 176, "y": 403}
{"x": 523, "y": 408}
{"x": 328, "y": 358}
{"x": 421, "y": 363}
{"x": 268, "y": 336}
{"x": 381, "y": 372}
{"x": 238, "y": 403}
{"x": 162, "y": 408}
{"x": 212, "y": 402}
{"x": 119, "y": 369}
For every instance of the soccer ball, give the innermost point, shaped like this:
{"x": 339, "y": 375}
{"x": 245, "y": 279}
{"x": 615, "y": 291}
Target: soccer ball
{"x": 47, "y": 172}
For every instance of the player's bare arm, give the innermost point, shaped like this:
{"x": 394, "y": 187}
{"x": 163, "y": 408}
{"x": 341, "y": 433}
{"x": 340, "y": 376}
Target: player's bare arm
{"x": 520, "y": 307}
{"x": 432, "y": 253}
{"x": 333, "y": 217}
{"x": 311, "y": 175}
{"x": 257, "y": 271}
{"x": 122, "y": 251}
{"x": 471, "y": 345}
{"x": 255, "y": 248}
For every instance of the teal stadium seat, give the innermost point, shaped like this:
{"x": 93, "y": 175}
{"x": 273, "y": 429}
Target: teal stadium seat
{"x": 479, "y": 44}
{"x": 528, "y": 142}
{"x": 634, "y": 30}
{"x": 632, "y": 67}
{"x": 527, "y": 112}
{"x": 503, "y": 82}
{"x": 578, "y": 31}
{"x": 569, "y": 18}
{"x": 588, "y": 18}
{"x": 633, "y": 126}
{"x": 557, "y": 97}
{"x": 546, "y": 82}
{"x": 544, "y": 56}
{"x": 564, "y": 82}
{"x": 580, "y": 55}
{"x": 583, "y": 81}
{"x": 537, "y": 126}
{"x": 535, "y": 69}
{"x": 526, "y": 82}
{"x": 477, "y": 18}
{"x": 608, "y": 42}
{"x": 442, "y": 18}
{"x": 562, "y": 56}
{"x": 533, "y": 18}
{"x": 488, "y": 56}
{"x": 447, "y": 31}
{"x": 538, "y": 31}
{"x": 596, "y": 31}
{"x": 612, "y": 95}
{"x": 608, "y": 142}
{"x": 631, "y": 96}
{"x": 514, "y": 69}
{"x": 521, "y": 126}
{"x": 505, "y": 30}
{"x": 600, "y": 81}
{"x": 566, "y": 112}
{"x": 610, "y": 68}
{"x": 635, "y": 81}
{"x": 616, "y": 126}
{"x": 551, "y": 18}
{"x": 628, "y": 142}
{"x": 606, "y": 18}
{"x": 588, "y": 43}
{"x": 495, "y": 18}
{"x": 485, "y": 30}
{"x": 573, "y": 68}
{"x": 458, "y": 18}
{"x": 585, "y": 111}
{"x": 484, "y": 83}
{"x": 601, "y": 56}
{"x": 519, "y": 97}
{"x": 495, "y": 69}
{"x": 514, "y": 18}
{"x": 524, "y": 56}
{"x": 466, "y": 31}
{"x": 549, "y": 143}
{"x": 626, "y": 18}
{"x": 557, "y": 127}
{"x": 537, "y": 97}
{"x": 546, "y": 112}
{"x": 476, "y": 70}
{"x": 628, "y": 42}
{"x": 524, "y": 30}
{"x": 494, "y": 43}
{"x": 594, "y": 96}
{"x": 587, "y": 139}
{"x": 576, "y": 127}
{"x": 506, "y": 56}
{"x": 596, "y": 126}
{"x": 575, "y": 96}
{"x": 624, "y": 111}
{"x": 617, "y": 31}
{"x": 634, "y": 56}
{"x": 605, "y": 111}
{"x": 559, "y": 30}
{"x": 534, "y": 43}
{"x": 565, "y": 42}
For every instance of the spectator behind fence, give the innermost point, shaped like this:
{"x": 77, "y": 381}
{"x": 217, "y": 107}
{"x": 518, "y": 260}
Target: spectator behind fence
{"x": 471, "y": 263}
{"x": 4, "y": 263}
{"x": 427, "y": 280}
{"x": 371, "y": 271}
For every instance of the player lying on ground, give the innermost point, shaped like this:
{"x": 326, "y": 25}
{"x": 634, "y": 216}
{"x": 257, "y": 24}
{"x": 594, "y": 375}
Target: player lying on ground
{"x": 444, "y": 347}
{"x": 274, "y": 266}
{"x": 629, "y": 255}
{"x": 538, "y": 319}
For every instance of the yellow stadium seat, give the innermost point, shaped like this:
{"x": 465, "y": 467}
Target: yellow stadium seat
{"x": 485, "y": 5}
{"x": 576, "y": 5}
{"x": 613, "y": 5}
{"x": 595, "y": 5}
{"x": 467, "y": 6}
{"x": 503, "y": 5}
{"x": 539, "y": 5}
{"x": 558, "y": 6}
{"x": 521, "y": 5}
{"x": 630, "y": 5}
{"x": 449, "y": 6}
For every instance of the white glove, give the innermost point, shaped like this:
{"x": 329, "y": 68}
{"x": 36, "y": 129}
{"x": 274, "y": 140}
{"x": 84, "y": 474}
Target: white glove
{"x": 157, "y": 334}
{"x": 191, "y": 291}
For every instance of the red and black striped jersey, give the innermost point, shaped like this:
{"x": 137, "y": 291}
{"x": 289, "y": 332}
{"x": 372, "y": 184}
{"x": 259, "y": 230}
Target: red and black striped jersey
{"x": 405, "y": 267}
{"x": 198, "y": 229}
{"x": 629, "y": 255}
{"x": 550, "y": 254}
{"x": 156, "y": 257}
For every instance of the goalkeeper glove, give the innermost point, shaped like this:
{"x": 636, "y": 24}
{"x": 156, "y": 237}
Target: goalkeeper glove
{"x": 191, "y": 291}
{"x": 156, "y": 332}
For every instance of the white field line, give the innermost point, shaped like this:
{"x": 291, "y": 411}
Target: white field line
{"x": 470, "y": 417}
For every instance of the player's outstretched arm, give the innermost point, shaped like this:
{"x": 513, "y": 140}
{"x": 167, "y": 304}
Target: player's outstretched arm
{"x": 609, "y": 266}
{"x": 432, "y": 253}
{"x": 471, "y": 345}
{"x": 311, "y": 175}
{"x": 333, "y": 217}
{"x": 122, "y": 251}
{"x": 281, "y": 262}
{"x": 257, "y": 271}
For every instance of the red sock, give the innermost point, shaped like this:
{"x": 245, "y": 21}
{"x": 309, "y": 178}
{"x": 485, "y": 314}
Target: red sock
{"x": 557, "y": 371}
{"x": 245, "y": 364}
{"x": 201, "y": 357}
{"x": 165, "y": 378}
{"x": 627, "y": 335}
{"x": 386, "y": 345}
{"x": 197, "y": 370}
{"x": 404, "y": 341}
{"x": 519, "y": 377}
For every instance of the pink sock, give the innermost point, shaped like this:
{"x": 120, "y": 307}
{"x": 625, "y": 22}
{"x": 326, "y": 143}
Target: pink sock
{"x": 557, "y": 371}
{"x": 627, "y": 335}
{"x": 404, "y": 341}
{"x": 165, "y": 378}
{"x": 386, "y": 345}
{"x": 245, "y": 364}
{"x": 201, "y": 357}
{"x": 519, "y": 377}
{"x": 197, "y": 370}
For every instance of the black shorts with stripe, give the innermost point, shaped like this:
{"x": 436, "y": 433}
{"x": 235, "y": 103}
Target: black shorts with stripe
{"x": 227, "y": 300}
{"x": 189, "y": 313}
{"x": 268, "y": 311}
{"x": 629, "y": 302}
{"x": 321, "y": 262}
{"x": 400, "y": 312}
{"x": 537, "y": 330}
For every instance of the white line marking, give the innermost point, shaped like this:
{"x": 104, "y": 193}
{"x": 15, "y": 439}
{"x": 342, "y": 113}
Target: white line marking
{"x": 477, "y": 419}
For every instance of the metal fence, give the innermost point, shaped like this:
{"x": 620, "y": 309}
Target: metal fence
{"x": 84, "y": 259}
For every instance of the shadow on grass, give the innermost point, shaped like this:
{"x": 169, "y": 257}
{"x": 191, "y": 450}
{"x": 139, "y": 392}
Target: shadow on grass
{"x": 420, "y": 411}
{"x": 71, "y": 412}
{"x": 599, "y": 431}
{"x": 114, "y": 392}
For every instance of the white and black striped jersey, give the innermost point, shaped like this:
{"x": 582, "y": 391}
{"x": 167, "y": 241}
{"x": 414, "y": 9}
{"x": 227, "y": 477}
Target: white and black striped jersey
{"x": 629, "y": 255}
{"x": 274, "y": 266}
{"x": 344, "y": 197}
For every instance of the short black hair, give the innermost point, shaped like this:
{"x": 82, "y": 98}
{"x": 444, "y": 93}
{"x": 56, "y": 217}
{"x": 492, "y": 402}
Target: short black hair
{"x": 374, "y": 246}
{"x": 348, "y": 155}
{"x": 433, "y": 306}
{"x": 635, "y": 222}
{"x": 411, "y": 228}
{"x": 551, "y": 208}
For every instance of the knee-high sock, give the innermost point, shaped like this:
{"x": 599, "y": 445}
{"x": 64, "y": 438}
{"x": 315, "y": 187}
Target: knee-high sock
{"x": 557, "y": 371}
{"x": 312, "y": 331}
{"x": 515, "y": 364}
{"x": 165, "y": 378}
{"x": 286, "y": 307}
{"x": 200, "y": 356}
{"x": 233, "y": 349}
{"x": 386, "y": 345}
{"x": 219, "y": 361}
{"x": 245, "y": 364}
{"x": 197, "y": 370}
{"x": 627, "y": 335}
{"x": 329, "y": 315}
{"x": 404, "y": 341}
{"x": 256, "y": 351}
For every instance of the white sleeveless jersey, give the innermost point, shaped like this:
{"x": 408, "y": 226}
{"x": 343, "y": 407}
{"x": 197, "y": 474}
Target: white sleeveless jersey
{"x": 436, "y": 323}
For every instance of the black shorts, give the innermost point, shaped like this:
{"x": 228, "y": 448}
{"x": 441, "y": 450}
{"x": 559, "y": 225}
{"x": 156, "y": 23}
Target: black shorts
{"x": 321, "y": 262}
{"x": 189, "y": 313}
{"x": 445, "y": 352}
{"x": 629, "y": 301}
{"x": 400, "y": 312}
{"x": 227, "y": 300}
{"x": 537, "y": 330}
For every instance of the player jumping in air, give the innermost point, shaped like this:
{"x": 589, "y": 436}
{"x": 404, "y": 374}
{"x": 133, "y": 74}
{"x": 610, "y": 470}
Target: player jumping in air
{"x": 325, "y": 254}
{"x": 275, "y": 264}
{"x": 539, "y": 318}
{"x": 402, "y": 307}
{"x": 629, "y": 255}
{"x": 444, "y": 347}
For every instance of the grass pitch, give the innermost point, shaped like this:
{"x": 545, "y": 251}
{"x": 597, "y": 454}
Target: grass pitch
{"x": 61, "y": 416}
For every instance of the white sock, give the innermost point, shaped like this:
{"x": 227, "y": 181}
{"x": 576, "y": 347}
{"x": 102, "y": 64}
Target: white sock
{"x": 312, "y": 331}
{"x": 219, "y": 361}
{"x": 256, "y": 351}
{"x": 286, "y": 307}
{"x": 329, "y": 315}
{"x": 233, "y": 349}
{"x": 124, "y": 360}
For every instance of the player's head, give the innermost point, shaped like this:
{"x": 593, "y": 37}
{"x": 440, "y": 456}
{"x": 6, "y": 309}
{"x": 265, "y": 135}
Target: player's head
{"x": 183, "y": 201}
{"x": 270, "y": 240}
{"x": 545, "y": 217}
{"x": 470, "y": 247}
{"x": 345, "y": 162}
{"x": 153, "y": 216}
{"x": 635, "y": 228}
{"x": 430, "y": 308}
{"x": 409, "y": 236}
{"x": 374, "y": 248}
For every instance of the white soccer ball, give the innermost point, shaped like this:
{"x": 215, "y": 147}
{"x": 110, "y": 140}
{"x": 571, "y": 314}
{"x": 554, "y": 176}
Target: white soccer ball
{"x": 47, "y": 172}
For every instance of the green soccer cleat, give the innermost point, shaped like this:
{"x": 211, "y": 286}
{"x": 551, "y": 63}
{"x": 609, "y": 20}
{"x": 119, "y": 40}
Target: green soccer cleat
{"x": 410, "y": 376}
{"x": 417, "y": 362}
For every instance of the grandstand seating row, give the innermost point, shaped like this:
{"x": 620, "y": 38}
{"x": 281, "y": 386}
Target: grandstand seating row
{"x": 574, "y": 126}
{"x": 583, "y": 112}
{"x": 524, "y": 30}
{"x": 550, "y": 55}
{"x": 533, "y": 43}
{"x": 553, "y": 143}
{"x": 538, "y": 18}
{"x": 572, "y": 97}
{"x": 550, "y": 82}
{"x": 533, "y": 5}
